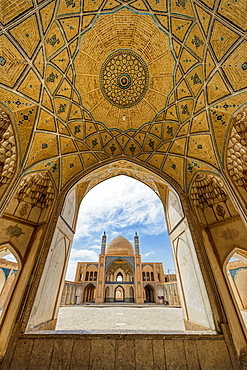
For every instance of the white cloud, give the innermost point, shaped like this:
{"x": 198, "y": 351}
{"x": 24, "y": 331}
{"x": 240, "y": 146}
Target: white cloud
{"x": 79, "y": 255}
{"x": 119, "y": 206}
{"x": 71, "y": 270}
{"x": 10, "y": 257}
{"x": 83, "y": 255}
{"x": 119, "y": 203}
{"x": 145, "y": 255}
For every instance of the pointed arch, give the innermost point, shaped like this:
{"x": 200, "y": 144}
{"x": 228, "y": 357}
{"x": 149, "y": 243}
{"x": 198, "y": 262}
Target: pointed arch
{"x": 119, "y": 294}
{"x": 89, "y": 293}
{"x": 149, "y": 294}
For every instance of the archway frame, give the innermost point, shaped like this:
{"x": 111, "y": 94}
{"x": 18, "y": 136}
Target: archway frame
{"x": 12, "y": 250}
{"x": 115, "y": 292}
{"x": 150, "y": 288}
{"x": 89, "y": 287}
{"x": 229, "y": 256}
{"x": 55, "y": 214}
{"x": 164, "y": 181}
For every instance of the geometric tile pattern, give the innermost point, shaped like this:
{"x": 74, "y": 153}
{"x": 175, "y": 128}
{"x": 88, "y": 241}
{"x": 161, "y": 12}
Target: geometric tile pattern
{"x": 50, "y": 58}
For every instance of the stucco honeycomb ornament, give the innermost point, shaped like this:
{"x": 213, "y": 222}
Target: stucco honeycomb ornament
{"x": 124, "y": 78}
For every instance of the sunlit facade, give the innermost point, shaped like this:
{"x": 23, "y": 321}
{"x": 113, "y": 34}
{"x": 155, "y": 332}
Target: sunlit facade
{"x": 120, "y": 277}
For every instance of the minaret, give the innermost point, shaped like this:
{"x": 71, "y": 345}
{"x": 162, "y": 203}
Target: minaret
{"x": 103, "y": 243}
{"x": 136, "y": 242}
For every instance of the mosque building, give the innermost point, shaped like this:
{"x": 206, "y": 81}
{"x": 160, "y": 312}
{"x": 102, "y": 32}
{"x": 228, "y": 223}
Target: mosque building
{"x": 120, "y": 276}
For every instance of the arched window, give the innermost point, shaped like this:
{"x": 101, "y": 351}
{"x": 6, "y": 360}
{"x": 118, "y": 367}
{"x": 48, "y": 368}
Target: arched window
{"x": 95, "y": 276}
{"x": 119, "y": 276}
{"x": 87, "y": 274}
{"x": 152, "y": 276}
{"x": 148, "y": 276}
{"x": 143, "y": 276}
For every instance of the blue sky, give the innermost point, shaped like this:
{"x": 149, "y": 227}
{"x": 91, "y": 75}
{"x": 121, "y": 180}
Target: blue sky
{"x": 121, "y": 206}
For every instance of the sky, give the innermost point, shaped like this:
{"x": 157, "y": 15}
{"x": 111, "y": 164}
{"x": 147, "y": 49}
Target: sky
{"x": 121, "y": 206}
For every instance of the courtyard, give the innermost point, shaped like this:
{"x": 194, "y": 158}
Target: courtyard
{"x": 120, "y": 319}
{"x": 92, "y": 319}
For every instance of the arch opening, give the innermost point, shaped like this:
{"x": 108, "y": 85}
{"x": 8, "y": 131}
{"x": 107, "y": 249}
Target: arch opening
{"x": 119, "y": 294}
{"x": 175, "y": 219}
{"x": 89, "y": 294}
{"x": 149, "y": 294}
{"x": 235, "y": 269}
{"x": 10, "y": 267}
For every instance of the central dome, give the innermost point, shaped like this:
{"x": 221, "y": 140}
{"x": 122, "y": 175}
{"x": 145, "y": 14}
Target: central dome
{"x": 119, "y": 246}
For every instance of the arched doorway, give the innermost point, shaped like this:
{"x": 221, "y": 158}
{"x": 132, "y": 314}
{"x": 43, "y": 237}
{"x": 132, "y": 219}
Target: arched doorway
{"x": 119, "y": 294}
{"x": 89, "y": 294}
{"x": 149, "y": 294}
{"x": 107, "y": 294}
{"x": 132, "y": 297}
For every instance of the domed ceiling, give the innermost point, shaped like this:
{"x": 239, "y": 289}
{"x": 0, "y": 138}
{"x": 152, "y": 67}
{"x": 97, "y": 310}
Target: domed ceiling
{"x": 142, "y": 58}
{"x": 156, "y": 82}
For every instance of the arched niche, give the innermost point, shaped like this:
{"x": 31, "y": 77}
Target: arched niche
{"x": 29, "y": 207}
{"x": 107, "y": 294}
{"x": 214, "y": 209}
{"x": 131, "y": 294}
{"x": 33, "y": 199}
{"x": 210, "y": 199}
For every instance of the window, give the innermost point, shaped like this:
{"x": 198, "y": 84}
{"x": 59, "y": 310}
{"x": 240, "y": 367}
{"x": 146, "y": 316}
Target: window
{"x": 119, "y": 276}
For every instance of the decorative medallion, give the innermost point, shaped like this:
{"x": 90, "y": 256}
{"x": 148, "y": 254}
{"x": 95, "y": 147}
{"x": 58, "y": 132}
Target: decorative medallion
{"x": 14, "y": 231}
{"x": 124, "y": 78}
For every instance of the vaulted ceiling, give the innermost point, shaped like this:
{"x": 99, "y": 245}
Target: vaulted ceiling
{"x": 154, "y": 81}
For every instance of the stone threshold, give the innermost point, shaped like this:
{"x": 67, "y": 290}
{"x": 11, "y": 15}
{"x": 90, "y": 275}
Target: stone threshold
{"x": 132, "y": 305}
{"x": 80, "y": 334}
